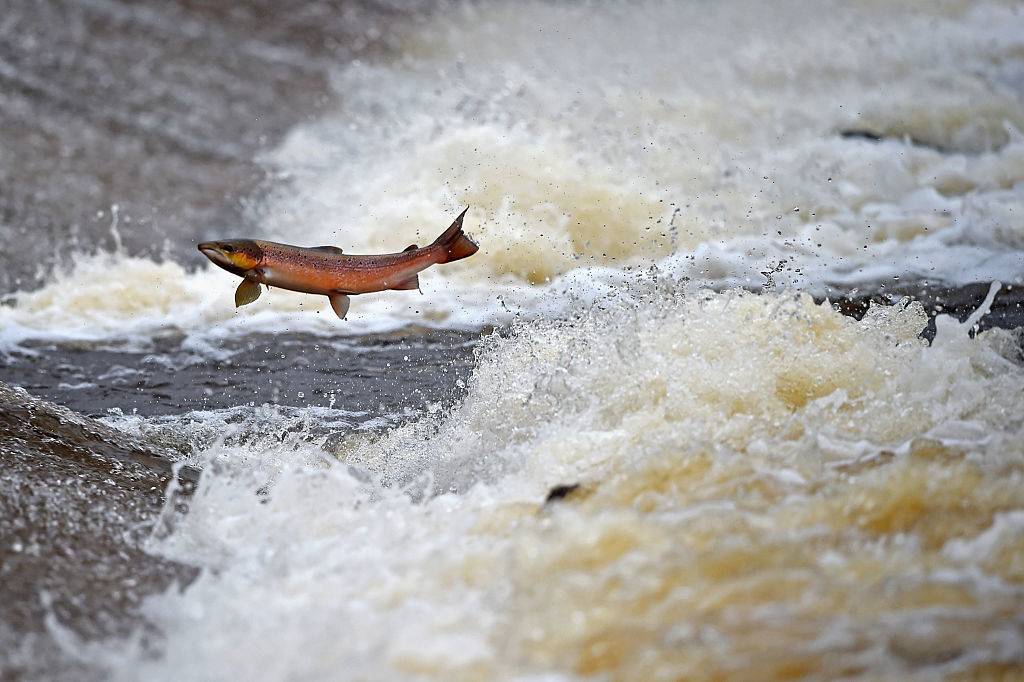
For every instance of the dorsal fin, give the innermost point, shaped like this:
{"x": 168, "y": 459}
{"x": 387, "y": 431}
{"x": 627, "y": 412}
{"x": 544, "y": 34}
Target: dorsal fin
{"x": 328, "y": 249}
{"x": 411, "y": 247}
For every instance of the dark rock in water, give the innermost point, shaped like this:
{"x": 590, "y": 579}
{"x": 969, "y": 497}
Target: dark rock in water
{"x": 560, "y": 492}
{"x": 1007, "y": 309}
{"x": 76, "y": 500}
{"x": 79, "y": 441}
{"x": 869, "y": 135}
{"x": 860, "y": 135}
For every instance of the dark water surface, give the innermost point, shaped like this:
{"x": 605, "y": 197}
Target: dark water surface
{"x": 380, "y": 373}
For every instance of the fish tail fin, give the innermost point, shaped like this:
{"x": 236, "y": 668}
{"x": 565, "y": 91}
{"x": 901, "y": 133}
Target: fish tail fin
{"x": 456, "y": 244}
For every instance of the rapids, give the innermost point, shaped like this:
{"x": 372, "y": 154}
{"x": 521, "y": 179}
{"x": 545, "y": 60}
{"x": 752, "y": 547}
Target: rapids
{"x": 767, "y": 489}
{"x": 833, "y": 145}
{"x": 717, "y": 398}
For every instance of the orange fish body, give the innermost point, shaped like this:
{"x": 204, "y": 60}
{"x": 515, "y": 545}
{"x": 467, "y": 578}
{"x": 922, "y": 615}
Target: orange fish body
{"x": 328, "y": 271}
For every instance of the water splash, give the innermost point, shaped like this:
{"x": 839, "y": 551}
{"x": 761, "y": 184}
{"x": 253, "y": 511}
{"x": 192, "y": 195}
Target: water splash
{"x": 765, "y": 486}
{"x": 591, "y": 140}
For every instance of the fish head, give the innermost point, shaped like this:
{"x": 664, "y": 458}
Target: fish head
{"x": 234, "y": 255}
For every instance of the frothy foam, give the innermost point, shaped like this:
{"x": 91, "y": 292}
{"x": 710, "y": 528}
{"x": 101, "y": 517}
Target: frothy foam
{"x": 588, "y": 136}
{"x": 768, "y": 488}
{"x": 587, "y": 139}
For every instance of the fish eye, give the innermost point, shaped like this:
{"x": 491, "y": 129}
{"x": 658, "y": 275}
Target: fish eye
{"x": 228, "y": 248}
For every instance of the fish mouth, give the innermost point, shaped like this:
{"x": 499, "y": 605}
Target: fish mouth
{"x": 214, "y": 253}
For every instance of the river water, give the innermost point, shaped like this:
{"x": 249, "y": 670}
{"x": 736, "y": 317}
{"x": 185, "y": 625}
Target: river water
{"x": 734, "y": 388}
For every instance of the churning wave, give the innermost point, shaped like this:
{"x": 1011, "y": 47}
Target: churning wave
{"x": 765, "y": 488}
{"x": 837, "y": 144}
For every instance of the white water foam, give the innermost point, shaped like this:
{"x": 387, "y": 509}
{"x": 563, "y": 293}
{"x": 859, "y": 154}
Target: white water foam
{"x": 767, "y": 486}
{"x": 596, "y": 136}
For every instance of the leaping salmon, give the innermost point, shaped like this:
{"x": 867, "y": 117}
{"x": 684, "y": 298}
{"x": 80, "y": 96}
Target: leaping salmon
{"x": 328, "y": 271}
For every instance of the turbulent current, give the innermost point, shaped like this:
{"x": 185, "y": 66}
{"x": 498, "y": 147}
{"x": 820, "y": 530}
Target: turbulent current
{"x": 749, "y": 486}
{"x": 631, "y": 438}
{"x": 832, "y": 144}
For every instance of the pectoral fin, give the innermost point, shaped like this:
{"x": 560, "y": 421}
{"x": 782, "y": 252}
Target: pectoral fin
{"x": 340, "y": 303}
{"x": 411, "y": 283}
{"x": 247, "y": 292}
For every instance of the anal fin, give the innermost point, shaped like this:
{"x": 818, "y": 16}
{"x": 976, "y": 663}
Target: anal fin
{"x": 340, "y": 304}
{"x": 247, "y": 292}
{"x": 411, "y": 283}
